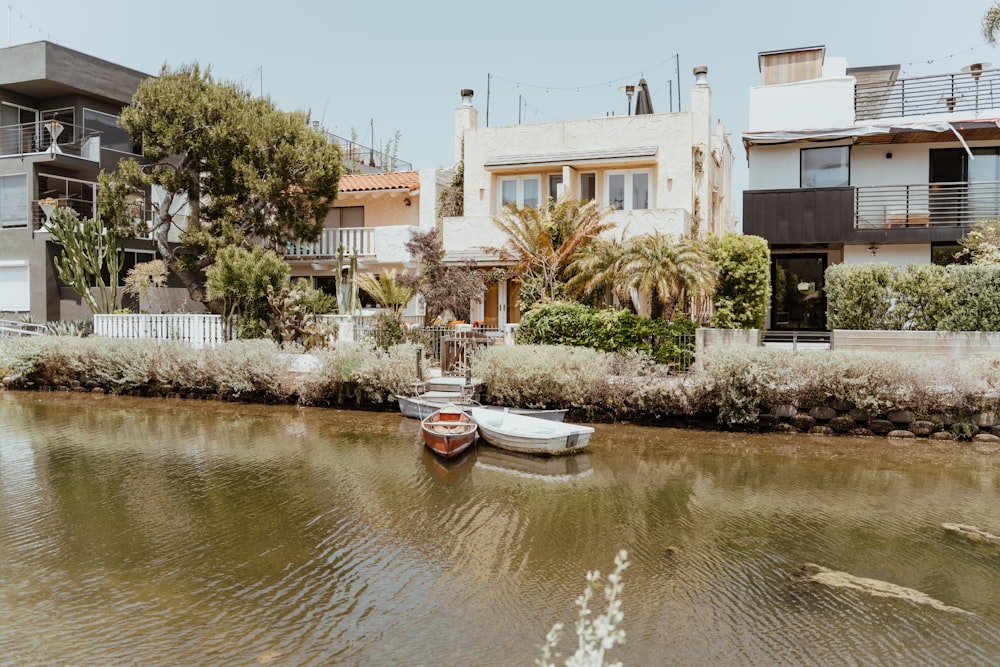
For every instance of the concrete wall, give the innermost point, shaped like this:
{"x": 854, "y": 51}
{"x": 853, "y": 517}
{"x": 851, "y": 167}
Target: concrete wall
{"x": 813, "y": 104}
{"x": 949, "y": 344}
{"x": 733, "y": 339}
{"x": 901, "y": 255}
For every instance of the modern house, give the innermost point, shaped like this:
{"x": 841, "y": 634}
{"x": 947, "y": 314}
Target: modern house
{"x": 666, "y": 172}
{"x": 58, "y": 130}
{"x": 861, "y": 165}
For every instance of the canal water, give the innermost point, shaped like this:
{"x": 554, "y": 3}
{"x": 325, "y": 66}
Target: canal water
{"x": 141, "y": 531}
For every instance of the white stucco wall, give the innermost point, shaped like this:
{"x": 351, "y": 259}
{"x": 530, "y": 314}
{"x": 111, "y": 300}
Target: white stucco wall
{"x": 389, "y": 243}
{"x": 813, "y": 104}
{"x": 382, "y": 208}
{"x": 774, "y": 167}
{"x": 901, "y": 255}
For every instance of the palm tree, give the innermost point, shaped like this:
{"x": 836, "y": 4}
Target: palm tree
{"x": 668, "y": 270}
{"x": 386, "y": 291}
{"x": 543, "y": 242}
{"x": 991, "y": 23}
{"x": 595, "y": 268}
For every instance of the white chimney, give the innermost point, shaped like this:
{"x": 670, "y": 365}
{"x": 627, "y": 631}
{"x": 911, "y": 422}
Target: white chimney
{"x": 701, "y": 75}
{"x": 466, "y": 118}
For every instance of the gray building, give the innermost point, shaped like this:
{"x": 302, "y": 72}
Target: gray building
{"x": 58, "y": 130}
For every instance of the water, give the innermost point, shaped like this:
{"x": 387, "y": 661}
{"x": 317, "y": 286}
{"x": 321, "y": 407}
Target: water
{"x": 135, "y": 531}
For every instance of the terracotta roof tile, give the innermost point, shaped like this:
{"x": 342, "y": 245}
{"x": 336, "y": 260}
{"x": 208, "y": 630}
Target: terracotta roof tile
{"x": 400, "y": 180}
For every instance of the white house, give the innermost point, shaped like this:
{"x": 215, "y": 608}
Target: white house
{"x": 669, "y": 172}
{"x": 859, "y": 165}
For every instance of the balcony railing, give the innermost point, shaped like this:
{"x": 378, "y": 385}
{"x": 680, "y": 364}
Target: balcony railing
{"x": 367, "y": 159}
{"x": 26, "y": 138}
{"x": 83, "y": 207}
{"x": 961, "y": 93}
{"x": 926, "y": 204}
{"x": 351, "y": 239}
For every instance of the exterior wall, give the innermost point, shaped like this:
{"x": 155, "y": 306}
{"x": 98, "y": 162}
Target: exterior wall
{"x": 814, "y": 104}
{"x": 910, "y": 163}
{"x": 382, "y": 210}
{"x": 947, "y": 344}
{"x": 901, "y": 255}
{"x": 774, "y": 167}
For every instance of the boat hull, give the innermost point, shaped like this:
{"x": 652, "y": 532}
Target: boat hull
{"x": 530, "y": 435}
{"x": 418, "y": 408}
{"x": 448, "y": 431}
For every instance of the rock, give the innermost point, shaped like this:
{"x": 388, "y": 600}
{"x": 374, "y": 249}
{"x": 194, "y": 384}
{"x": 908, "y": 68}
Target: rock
{"x": 79, "y": 390}
{"x": 881, "y": 426}
{"x": 941, "y": 418}
{"x": 840, "y": 405}
{"x": 971, "y": 533}
{"x": 900, "y": 434}
{"x": 922, "y": 429}
{"x": 97, "y": 390}
{"x": 784, "y": 411}
{"x": 861, "y": 432}
{"x": 782, "y": 427}
{"x": 821, "y": 430}
{"x": 9, "y": 380}
{"x": 842, "y": 424}
{"x": 802, "y": 422}
{"x": 823, "y": 414}
{"x": 984, "y": 419}
{"x": 942, "y": 435}
{"x": 900, "y": 416}
{"x": 859, "y": 415}
{"x": 985, "y": 437}
{"x": 766, "y": 421}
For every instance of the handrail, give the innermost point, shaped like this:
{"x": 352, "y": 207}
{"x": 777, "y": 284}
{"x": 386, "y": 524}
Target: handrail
{"x": 956, "y": 93}
{"x": 926, "y": 204}
{"x": 13, "y": 328}
{"x": 37, "y": 137}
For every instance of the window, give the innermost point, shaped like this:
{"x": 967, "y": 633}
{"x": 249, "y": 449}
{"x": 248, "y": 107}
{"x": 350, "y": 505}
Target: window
{"x": 588, "y": 186}
{"x": 81, "y": 196}
{"x": 14, "y": 200}
{"x": 555, "y": 186}
{"x": 15, "y": 297}
{"x": 628, "y": 190}
{"x": 345, "y": 216}
{"x": 521, "y": 191}
{"x": 113, "y": 137}
{"x": 825, "y": 167}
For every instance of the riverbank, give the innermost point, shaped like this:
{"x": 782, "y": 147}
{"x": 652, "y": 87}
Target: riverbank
{"x": 782, "y": 391}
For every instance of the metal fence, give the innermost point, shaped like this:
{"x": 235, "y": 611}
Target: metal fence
{"x": 197, "y": 330}
{"x": 960, "y": 92}
{"x": 12, "y": 328}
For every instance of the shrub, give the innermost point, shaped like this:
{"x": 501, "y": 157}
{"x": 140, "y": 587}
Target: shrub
{"x": 919, "y": 297}
{"x": 361, "y": 373}
{"x": 743, "y": 291}
{"x": 858, "y": 295}
{"x": 973, "y": 303}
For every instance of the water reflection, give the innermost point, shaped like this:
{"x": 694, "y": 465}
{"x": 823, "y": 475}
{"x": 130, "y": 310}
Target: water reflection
{"x": 194, "y": 532}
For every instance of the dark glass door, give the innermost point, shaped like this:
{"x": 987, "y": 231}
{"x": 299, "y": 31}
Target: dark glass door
{"x": 798, "y": 300}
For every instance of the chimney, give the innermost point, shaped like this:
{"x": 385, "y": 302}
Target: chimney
{"x": 701, "y": 75}
{"x": 466, "y": 118}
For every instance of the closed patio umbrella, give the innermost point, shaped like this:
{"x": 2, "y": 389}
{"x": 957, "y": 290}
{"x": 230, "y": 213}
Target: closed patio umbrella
{"x": 643, "y": 102}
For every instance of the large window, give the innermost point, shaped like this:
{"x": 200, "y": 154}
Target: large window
{"x": 588, "y": 186}
{"x": 825, "y": 167}
{"x": 113, "y": 137}
{"x": 628, "y": 190}
{"x": 15, "y": 297}
{"x": 555, "y": 186}
{"x": 14, "y": 200}
{"x": 521, "y": 191}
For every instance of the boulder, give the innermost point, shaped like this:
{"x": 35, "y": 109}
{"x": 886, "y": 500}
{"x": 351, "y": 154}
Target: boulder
{"x": 782, "y": 427}
{"x": 784, "y": 411}
{"x": 861, "y": 432}
{"x": 900, "y": 434}
{"x": 842, "y": 424}
{"x": 802, "y": 422}
{"x": 986, "y": 437}
{"x": 922, "y": 428}
{"x": 984, "y": 420}
{"x": 840, "y": 405}
{"x": 943, "y": 435}
{"x": 881, "y": 426}
{"x": 859, "y": 415}
{"x": 765, "y": 422}
{"x": 821, "y": 430}
{"x": 823, "y": 413}
{"x": 900, "y": 416}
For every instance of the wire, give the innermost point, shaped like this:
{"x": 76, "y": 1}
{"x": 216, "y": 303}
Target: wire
{"x": 627, "y": 77}
{"x": 32, "y": 26}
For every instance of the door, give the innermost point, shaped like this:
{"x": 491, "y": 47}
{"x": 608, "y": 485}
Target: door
{"x": 948, "y": 176}
{"x": 491, "y": 305}
{"x": 798, "y": 300}
{"x": 513, "y": 294}
{"x": 22, "y": 130}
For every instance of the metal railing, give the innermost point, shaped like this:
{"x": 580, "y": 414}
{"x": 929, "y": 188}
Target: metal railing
{"x": 926, "y": 204}
{"x": 962, "y": 92}
{"x": 366, "y": 158}
{"x": 351, "y": 239}
{"x": 12, "y": 328}
{"x": 37, "y": 137}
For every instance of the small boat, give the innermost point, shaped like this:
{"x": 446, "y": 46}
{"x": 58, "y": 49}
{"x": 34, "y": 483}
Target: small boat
{"x": 529, "y": 435}
{"x": 448, "y": 431}
{"x": 544, "y": 468}
{"x": 418, "y": 407}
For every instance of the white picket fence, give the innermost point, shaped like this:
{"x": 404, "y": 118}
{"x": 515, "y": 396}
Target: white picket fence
{"x": 198, "y": 330}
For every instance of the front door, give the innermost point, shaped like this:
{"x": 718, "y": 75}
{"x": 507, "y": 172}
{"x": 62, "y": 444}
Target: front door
{"x": 491, "y": 305}
{"x": 798, "y": 300}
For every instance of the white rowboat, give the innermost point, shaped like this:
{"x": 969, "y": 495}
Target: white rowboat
{"x": 529, "y": 435}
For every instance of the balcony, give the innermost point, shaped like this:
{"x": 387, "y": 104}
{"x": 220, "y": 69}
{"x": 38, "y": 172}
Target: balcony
{"x": 50, "y": 137}
{"x": 910, "y": 213}
{"x": 963, "y": 93}
{"x": 367, "y": 160}
{"x": 372, "y": 244}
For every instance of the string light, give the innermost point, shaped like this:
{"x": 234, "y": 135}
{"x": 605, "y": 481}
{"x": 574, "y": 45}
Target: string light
{"x": 578, "y": 88}
{"x": 31, "y": 26}
{"x": 947, "y": 57}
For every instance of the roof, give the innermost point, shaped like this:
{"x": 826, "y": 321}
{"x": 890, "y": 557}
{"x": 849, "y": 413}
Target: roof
{"x": 596, "y": 155}
{"x": 400, "y": 180}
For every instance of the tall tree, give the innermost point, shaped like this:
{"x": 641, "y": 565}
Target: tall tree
{"x": 386, "y": 291}
{"x": 226, "y": 169}
{"x": 669, "y": 270}
{"x": 543, "y": 241}
{"x": 445, "y": 288}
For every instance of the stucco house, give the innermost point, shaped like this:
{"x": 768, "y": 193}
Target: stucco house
{"x": 58, "y": 130}
{"x": 861, "y": 165}
{"x": 658, "y": 171}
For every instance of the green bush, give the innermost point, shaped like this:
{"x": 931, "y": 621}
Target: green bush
{"x": 607, "y": 330}
{"x": 973, "y": 303}
{"x": 859, "y": 295}
{"x": 743, "y": 292}
{"x": 920, "y": 297}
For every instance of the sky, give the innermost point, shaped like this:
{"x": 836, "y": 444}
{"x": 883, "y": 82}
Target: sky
{"x": 393, "y": 66}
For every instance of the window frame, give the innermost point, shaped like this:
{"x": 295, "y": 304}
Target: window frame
{"x": 26, "y": 220}
{"x": 136, "y": 147}
{"x": 519, "y": 180}
{"x": 627, "y": 176}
